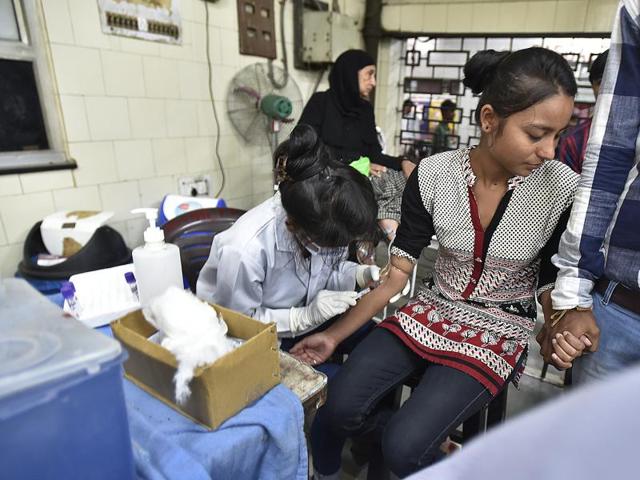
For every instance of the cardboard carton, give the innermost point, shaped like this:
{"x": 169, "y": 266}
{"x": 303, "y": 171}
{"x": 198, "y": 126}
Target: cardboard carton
{"x": 219, "y": 390}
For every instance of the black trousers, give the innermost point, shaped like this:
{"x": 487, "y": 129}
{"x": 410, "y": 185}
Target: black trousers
{"x": 410, "y": 437}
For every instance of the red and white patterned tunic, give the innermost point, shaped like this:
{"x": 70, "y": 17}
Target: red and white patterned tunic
{"x": 478, "y": 310}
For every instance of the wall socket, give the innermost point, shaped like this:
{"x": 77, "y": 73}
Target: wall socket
{"x": 194, "y": 186}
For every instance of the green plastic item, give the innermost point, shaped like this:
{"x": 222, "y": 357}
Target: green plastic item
{"x": 363, "y": 165}
{"x": 276, "y": 106}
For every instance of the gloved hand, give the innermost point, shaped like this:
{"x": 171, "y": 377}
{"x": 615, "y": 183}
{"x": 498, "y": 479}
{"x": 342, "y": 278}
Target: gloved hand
{"x": 327, "y": 304}
{"x": 367, "y": 274}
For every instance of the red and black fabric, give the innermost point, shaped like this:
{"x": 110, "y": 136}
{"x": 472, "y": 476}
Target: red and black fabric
{"x": 573, "y": 146}
{"x": 478, "y": 311}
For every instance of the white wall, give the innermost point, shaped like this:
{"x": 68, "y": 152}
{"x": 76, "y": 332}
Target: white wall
{"x": 137, "y": 116}
{"x": 498, "y": 16}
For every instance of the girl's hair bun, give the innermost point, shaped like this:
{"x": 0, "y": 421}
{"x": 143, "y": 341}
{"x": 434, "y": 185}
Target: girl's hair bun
{"x": 480, "y": 70}
{"x": 301, "y": 156}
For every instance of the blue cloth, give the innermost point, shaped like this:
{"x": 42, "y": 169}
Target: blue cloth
{"x": 602, "y": 237}
{"x": 263, "y": 441}
{"x": 619, "y": 341}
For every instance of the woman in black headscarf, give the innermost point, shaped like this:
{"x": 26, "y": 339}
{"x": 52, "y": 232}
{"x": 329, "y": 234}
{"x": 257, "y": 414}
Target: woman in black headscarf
{"x": 343, "y": 117}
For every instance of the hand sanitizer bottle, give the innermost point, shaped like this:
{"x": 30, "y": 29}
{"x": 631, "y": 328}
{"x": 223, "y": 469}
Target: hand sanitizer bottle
{"x": 157, "y": 264}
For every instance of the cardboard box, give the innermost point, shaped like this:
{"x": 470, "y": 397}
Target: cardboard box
{"x": 218, "y": 391}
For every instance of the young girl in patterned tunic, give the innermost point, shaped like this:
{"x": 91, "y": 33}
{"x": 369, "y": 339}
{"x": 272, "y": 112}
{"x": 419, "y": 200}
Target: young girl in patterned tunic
{"x": 497, "y": 211}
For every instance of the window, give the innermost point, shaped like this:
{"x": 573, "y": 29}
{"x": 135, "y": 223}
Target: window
{"x": 30, "y": 133}
{"x": 433, "y": 70}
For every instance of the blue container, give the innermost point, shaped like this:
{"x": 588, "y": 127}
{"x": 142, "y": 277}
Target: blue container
{"x": 48, "y": 288}
{"x": 62, "y": 408}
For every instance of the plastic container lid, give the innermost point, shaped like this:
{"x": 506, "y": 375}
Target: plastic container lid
{"x": 39, "y": 345}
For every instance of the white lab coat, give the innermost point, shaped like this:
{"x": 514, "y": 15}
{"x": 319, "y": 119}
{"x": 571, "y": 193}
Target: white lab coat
{"x": 253, "y": 269}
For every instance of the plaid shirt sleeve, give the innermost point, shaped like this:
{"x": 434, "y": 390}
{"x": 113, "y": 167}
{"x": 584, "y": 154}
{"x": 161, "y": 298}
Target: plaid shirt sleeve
{"x": 601, "y": 228}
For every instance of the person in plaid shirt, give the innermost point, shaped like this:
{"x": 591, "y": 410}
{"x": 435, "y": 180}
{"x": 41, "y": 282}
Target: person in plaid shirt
{"x": 573, "y": 145}
{"x": 597, "y": 291}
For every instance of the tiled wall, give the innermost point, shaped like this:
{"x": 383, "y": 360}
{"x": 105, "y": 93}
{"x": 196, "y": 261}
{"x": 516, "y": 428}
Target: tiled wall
{"x": 388, "y": 90}
{"x": 498, "y": 16}
{"x": 137, "y": 116}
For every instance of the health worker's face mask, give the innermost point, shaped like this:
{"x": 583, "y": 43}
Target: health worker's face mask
{"x": 312, "y": 247}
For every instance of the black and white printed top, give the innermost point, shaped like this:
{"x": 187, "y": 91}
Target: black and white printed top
{"x": 478, "y": 310}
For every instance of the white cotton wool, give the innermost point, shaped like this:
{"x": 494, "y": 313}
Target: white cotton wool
{"x": 191, "y": 330}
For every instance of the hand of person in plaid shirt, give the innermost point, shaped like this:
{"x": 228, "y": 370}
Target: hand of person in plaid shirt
{"x": 563, "y": 341}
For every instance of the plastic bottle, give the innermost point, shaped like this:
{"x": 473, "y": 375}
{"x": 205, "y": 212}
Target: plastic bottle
{"x": 157, "y": 263}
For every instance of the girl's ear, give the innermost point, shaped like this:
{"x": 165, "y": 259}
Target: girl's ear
{"x": 489, "y": 120}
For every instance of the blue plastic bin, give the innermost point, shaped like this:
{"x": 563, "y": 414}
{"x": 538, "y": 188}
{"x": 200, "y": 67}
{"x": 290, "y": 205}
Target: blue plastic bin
{"x": 62, "y": 408}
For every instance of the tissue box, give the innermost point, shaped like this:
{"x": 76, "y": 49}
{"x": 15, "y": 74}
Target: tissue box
{"x": 218, "y": 391}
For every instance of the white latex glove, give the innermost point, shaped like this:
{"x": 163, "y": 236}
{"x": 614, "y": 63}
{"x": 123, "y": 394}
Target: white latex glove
{"x": 327, "y": 304}
{"x": 367, "y": 274}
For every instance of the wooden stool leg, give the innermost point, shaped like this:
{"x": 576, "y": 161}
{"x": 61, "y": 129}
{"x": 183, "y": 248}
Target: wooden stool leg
{"x": 543, "y": 373}
{"x": 497, "y": 409}
{"x": 568, "y": 377}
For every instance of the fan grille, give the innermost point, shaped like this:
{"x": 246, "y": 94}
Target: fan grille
{"x": 246, "y": 89}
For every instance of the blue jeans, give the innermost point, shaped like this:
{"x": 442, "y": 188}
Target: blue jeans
{"x": 619, "y": 340}
{"x": 411, "y": 436}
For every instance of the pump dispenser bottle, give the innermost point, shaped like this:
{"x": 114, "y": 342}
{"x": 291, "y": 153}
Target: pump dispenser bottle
{"x": 157, "y": 263}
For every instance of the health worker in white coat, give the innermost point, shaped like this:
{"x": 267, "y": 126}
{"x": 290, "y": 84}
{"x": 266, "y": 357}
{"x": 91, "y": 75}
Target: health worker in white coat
{"x": 285, "y": 261}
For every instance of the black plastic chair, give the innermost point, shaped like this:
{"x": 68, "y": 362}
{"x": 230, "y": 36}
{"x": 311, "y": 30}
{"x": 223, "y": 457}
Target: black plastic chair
{"x": 193, "y": 233}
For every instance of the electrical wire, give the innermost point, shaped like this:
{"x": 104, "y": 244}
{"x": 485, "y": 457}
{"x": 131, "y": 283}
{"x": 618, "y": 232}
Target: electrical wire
{"x": 212, "y": 99}
{"x": 272, "y": 79}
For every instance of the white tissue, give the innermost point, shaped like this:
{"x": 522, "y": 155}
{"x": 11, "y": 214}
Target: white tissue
{"x": 191, "y": 330}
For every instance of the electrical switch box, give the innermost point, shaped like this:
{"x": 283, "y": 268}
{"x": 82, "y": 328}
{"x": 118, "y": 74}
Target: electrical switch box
{"x": 327, "y": 34}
